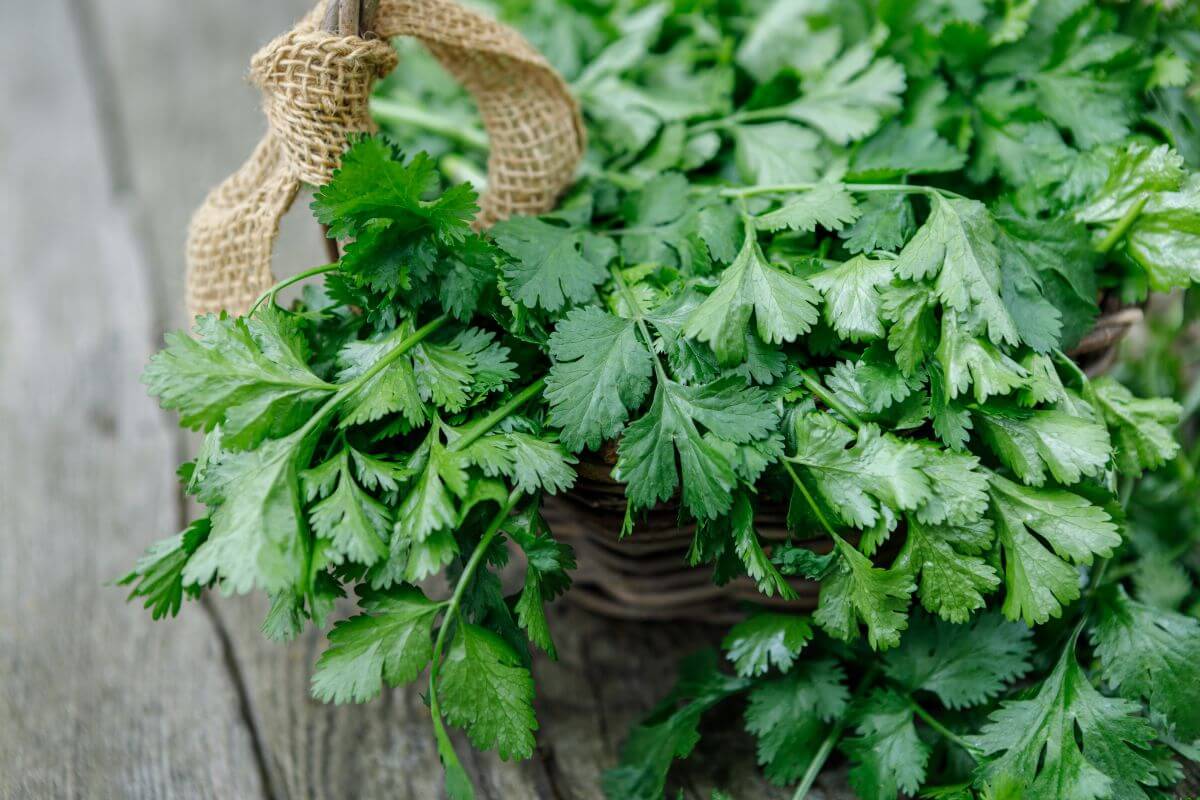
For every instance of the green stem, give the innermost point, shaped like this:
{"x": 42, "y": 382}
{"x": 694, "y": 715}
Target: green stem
{"x": 942, "y": 730}
{"x": 828, "y": 398}
{"x": 639, "y": 318}
{"x": 484, "y": 425}
{"x": 406, "y": 344}
{"x": 812, "y": 503}
{"x": 452, "y": 610}
{"x": 383, "y": 363}
{"x": 286, "y": 282}
{"x": 397, "y": 113}
{"x": 1122, "y": 227}
{"x": 864, "y": 188}
{"x": 831, "y": 739}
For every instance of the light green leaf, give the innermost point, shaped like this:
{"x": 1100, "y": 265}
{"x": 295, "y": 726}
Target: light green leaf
{"x": 1029, "y": 442}
{"x": 957, "y": 246}
{"x": 601, "y": 370}
{"x": 766, "y": 639}
{"x": 390, "y": 642}
{"x": 827, "y": 205}
{"x": 783, "y": 306}
{"x": 860, "y": 591}
{"x": 1038, "y": 580}
{"x": 853, "y": 299}
{"x": 483, "y": 689}
{"x": 548, "y": 268}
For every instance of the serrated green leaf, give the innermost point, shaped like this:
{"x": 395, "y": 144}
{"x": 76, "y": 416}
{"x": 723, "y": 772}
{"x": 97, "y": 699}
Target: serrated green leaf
{"x": 548, "y": 268}
{"x": 483, "y": 689}
{"x": 1038, "y": 580}
{"x": 765, "y": 640}
{"x": 964, "y": 665}
{"x": 783, "y": 306}
{"x": 391, "y": 642}
{"x": 601, "y": 371}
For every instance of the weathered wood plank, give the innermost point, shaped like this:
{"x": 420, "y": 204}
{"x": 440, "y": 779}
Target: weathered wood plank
{"x": 97, "y": 700}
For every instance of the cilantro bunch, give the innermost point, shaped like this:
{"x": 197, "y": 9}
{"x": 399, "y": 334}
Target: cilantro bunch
{"x": 831, "y": 256}
{"x": 374, "y": 437}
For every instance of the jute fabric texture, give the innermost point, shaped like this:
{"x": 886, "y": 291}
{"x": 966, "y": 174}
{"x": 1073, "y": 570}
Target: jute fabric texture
{"x": 316, "y": 87}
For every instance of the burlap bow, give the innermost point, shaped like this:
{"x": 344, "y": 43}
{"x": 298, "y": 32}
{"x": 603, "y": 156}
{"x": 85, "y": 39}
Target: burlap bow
{"x": 316, "y": 87}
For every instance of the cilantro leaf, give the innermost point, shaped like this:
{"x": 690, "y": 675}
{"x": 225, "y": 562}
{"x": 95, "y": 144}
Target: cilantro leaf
{"x": 258, "y": 529}
{"x": 391, "y": 642}
{"x": 483, "y": 689}
{"x": 549, "y": 563}
{"x": 847, "y": 98}
{"x": 887, "y": 756}
{"x": 250, "y": 376}
{"x": 670, "y": 731}
{"x": 1093, "y": 745}
{"x": 783, "y": 305}
{"x": 776, "y": 153}
{"x": 964, "y": 665}
{"x": 828, "y": 205}
{"x": 766, "y": 639}
{"x": 374, "y": 182}
{"x": 391, "y": 391}
{"x": 853, "y": 302}
{"x": 863, "y": 481}
{"x": 1039, "y": 580}
{"x": 968, "y": 361}
{"x": 356, "y": 524}
{"x": 1030, "y": 442}
{"x": 549, "y": 265}
{"x": 953, "y": 577}
{"x": 913, "y": 334}
{"x": 1152, "y": 654}
{"x": 1142, "y": 427}
{"x": 601, "y": 370}
{"x": 732, "y": 413}
{"x": 789, "y": 716}
{"x": 957, "y": 246}
{"x": 158, "y": 574}
{"x": 884, "y": 223}
{"x": 858, "y": 590}
{"x": 898, "y": 150}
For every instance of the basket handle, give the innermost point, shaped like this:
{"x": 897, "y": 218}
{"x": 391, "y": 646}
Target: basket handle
{"x": 316, "y": 85}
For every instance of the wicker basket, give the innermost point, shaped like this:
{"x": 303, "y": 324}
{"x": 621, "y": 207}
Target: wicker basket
{"x": 646, "y": 575}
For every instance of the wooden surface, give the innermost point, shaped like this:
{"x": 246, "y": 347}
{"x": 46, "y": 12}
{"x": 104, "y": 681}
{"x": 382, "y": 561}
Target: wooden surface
{"x": 119, "y": 115}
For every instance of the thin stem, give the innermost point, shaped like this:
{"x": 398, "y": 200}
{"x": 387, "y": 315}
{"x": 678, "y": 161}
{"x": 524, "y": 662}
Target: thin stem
{"x": 829, "y": 399}
{"x": 863, "y": 188}
{"x": 286, "y": 282}
{"x": 945, "y": 732}
{"x": 406, "y": 344}
{"x": 397, "y": 113}
{"x": 484, "y": 425}
{"x": 811, "y": 500}
{"x": 453, "y": 606}
{"x": 1122, "y": 227}
{"x": 831, "y": 739}
{"x": 635, "y": 308}
{"x": 383, "y": 363}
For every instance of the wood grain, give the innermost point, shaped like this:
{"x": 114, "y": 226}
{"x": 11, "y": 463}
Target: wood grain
{"x": 97, "y": 700}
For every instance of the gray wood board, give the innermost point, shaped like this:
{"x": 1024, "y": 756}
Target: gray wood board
{"x": 97, "y": 700}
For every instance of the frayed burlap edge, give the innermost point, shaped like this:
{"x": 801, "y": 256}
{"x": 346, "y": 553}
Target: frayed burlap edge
{"x": 316, "y": 86}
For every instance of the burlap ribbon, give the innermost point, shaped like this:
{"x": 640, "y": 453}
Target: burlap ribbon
{"x": 316, "y": 87}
